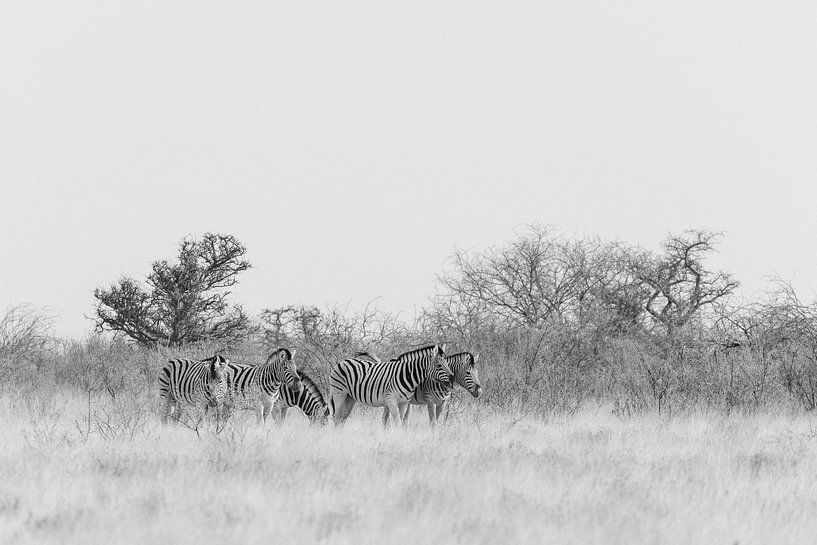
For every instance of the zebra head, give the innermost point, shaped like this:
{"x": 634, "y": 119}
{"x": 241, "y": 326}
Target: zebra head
{"x": 219, "y": 366}
{"x": 285, "y": 370}
{"x": 442, "y": 371}
{"x": 468, "y": 375}
{"x": 322, "y": 415}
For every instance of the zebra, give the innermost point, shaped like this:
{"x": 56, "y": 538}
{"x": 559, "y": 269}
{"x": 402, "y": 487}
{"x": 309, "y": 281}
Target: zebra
{"x": 195, "y": 382}
{"x": 436, "y": 395}
{"x": 384, "y": 384}
{"x": 310, "y": 400}
{"x": 261, "y": 384}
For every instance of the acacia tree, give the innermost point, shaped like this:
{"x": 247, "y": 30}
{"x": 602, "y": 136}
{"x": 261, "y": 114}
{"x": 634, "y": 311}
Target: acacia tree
{"x": 186, "y": 300}
{"x": 678, "y": 282}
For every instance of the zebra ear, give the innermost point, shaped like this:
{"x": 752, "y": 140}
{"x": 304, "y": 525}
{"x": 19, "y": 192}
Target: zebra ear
{"x": 476, "y": 358}
{"x": 442, "y": 349}
{"x": 292, "y": 353}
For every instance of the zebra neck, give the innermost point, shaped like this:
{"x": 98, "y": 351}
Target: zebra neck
{"x": 308, "y": 401}
{"x": 459, "y": 366}
{"x": 440, "y": 389}
{"x": 426, "y": 371}
{"x": 268, "y": 375}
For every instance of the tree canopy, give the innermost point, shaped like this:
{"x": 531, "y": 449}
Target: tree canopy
{"x": 185, "y": 300}
{"x": 543, "y": 278}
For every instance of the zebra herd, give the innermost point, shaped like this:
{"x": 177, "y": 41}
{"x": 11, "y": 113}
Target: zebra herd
{"x": 424, "y": 376}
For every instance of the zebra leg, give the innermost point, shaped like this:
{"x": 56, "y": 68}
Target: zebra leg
{"x": 167, "y": 410}
{"x": 219, "y": 416}
{"x": 173, "y": 410}
{"x": 266, "y": 409}
{"x": 278, "y": 414}
{"x": 217, "y": 410}
{"x": 432, "y": 414}
{"x": 345, "y": 409}
{"x": 394, "y": 409}
{"x": 226, "y": 411}
{"x": 385, "y": 416}
{"x": 440, "y": 408}
{"x": 404, "y": 413}
{"x": 447, "y": 408}
{"x": 342, "y": 405}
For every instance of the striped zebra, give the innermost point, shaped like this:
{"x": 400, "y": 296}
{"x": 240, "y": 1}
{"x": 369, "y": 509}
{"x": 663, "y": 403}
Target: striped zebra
{"x": 195, "y": 382}
{"x": 436, "y": 395}
{"x": 384, "y": 384}
{"x": 310, "y": 401}
{"x": 260, "y": 385}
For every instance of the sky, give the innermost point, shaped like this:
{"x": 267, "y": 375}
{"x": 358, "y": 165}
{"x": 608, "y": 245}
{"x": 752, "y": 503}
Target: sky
{"x": 353, "y": 146}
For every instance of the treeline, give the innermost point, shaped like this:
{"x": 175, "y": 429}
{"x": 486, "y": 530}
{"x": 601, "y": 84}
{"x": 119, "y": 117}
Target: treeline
{"x": 558, "y": 321}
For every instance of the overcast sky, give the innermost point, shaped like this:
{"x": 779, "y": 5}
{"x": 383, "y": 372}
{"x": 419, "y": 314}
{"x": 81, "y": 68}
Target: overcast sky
{"x": 352, "y": 146}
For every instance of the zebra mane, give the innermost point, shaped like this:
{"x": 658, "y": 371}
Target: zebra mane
{"x": 311, "y": 386}
{"x": 367, "y": 356}
{"x": 469, "y": 357}
{"x": 214, "y": 358}
{"x": 287, "y": 354}
{"x": 416, "y": 352}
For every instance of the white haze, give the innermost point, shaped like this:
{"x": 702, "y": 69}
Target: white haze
{"x": 352, "y": 146}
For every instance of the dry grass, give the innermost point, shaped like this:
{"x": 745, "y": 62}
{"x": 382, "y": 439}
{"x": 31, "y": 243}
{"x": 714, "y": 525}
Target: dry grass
{"x": 589, "y": 478}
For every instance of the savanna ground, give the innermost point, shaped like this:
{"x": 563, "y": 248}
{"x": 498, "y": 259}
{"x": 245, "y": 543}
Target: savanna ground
{"x": 109, "y": 472}
{"x": 627, "y": 400}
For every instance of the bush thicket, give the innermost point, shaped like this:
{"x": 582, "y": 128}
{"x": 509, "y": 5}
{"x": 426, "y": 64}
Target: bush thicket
{"x": 557, "y": 322}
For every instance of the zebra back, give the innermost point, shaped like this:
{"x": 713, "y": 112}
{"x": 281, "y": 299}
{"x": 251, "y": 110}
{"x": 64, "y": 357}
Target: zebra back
{"x": 367, "y": 381}
{"x": 267, "y": 377}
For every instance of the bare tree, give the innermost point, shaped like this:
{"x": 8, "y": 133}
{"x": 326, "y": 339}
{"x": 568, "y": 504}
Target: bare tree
{"x": 608, "y": 295}
{"x": 523, "y": 283}
{"x": 786, "y": 316}
{"x": 541, "y": 278}
{"x": 678, "y": 281}
{"x": 24, "y": 330}
{"x": 186, "y": 300}
{"x": 327, "y": 334}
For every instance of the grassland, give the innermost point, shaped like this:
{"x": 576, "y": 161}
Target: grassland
{"x": 121, "y": 477}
